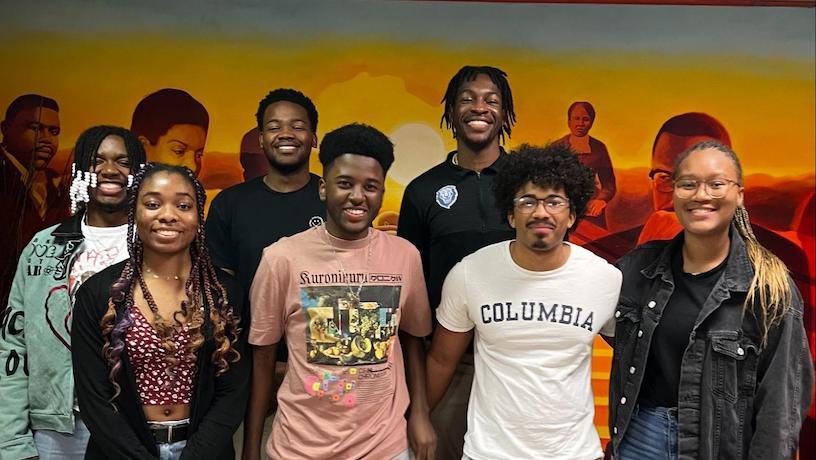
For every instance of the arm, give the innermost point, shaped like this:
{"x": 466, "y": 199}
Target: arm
{"x": 16, "y": 438}
{"x": 108, "y": 427}
{"x": 421, "y": 433}
{"x": 606, "y": 174}
{"x": 784, "y": 388}
{"x": 447, "y": 348}
{"x": 261, "y": 394}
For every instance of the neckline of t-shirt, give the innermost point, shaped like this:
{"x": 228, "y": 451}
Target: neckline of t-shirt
{"x": 538, "y": 274}
{"x": 90, "y": 230}
{"x": 264, "y": 186}
{"x": 338, "y": 243}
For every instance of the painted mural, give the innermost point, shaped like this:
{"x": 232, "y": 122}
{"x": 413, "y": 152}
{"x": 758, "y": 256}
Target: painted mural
{"x": 623, "y": 85}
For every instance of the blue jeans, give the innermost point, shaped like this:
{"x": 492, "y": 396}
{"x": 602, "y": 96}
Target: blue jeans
{"x": 652, "y": 435}
{"x": 53, "y": 445}
{"x": 171, "y": 451}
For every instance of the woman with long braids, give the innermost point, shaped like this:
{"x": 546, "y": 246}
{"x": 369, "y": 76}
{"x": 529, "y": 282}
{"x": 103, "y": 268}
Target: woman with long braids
{"x": 711, "y": 359}
{"x": 159, "y": 353}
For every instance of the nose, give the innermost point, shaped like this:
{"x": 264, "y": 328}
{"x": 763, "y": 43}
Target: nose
{"x": 479, "y": 105}
{"x": 540, "y": 211}
{"x": 356, "y": 195}
{"x": 107, "y": 169}
{"x": 701, "y": 193}
{"x": 167, "y": 213}
{"x": 46, "y": 136}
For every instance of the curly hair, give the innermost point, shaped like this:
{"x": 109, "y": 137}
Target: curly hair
{"x": 358, "y": 139}
{"x": 554, "y": 165}
{"x": 206, "y": 296}
{"x": 288, "y": 95}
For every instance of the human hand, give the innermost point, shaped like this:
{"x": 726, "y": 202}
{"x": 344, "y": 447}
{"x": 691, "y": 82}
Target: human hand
{"x": 421, "y": 436}
{"x": 595, "y": 207}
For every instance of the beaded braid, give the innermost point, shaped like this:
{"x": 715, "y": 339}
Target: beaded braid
{"x": 85, "y": 150}
{"x": 202, "y": 282}
{"x": 770, "y": 288}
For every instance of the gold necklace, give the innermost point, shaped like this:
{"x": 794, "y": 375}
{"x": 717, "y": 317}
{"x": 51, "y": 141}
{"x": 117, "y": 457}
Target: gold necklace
{"x": 354, "y": 296}
{"x": 157, "y": 276}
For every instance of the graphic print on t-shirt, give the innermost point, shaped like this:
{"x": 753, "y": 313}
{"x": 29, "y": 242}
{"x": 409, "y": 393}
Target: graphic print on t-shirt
{"x": 343, "y": 329}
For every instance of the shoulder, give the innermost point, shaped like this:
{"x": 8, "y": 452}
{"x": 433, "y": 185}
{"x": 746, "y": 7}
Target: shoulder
{"x": 43, "y": 236}
{"x": 491, "y": 255}
{"x": 588, "y": 260}
{"x": 287, "y": 245}
{"x": 430, "y": 179}
{"x": 643, "y": 255}
{"x": 99, "y": 285}
{"x": 234, "y": 192}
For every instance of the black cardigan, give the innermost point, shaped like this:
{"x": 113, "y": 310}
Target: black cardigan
{"x": 217, "y": 406}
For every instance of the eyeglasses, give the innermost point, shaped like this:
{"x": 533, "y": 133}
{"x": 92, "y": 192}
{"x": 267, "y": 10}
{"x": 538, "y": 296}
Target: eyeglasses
{"x": 715, "y": 188}
{"x": 553, "y": 204}
{"x": 662, "y": 179}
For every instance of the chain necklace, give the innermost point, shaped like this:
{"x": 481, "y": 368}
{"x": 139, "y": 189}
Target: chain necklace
{"x": 157, "y": 276}
{"x": 151, "y": 302}
{"x": 355, "y": 296}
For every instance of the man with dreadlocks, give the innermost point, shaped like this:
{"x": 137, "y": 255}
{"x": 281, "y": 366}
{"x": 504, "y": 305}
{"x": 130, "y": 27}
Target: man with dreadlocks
{"x": 157, "y": 346}
{"x": 448, "y": 212}
{"x": 535, "y": 305}
{"x": 40, "y": 416}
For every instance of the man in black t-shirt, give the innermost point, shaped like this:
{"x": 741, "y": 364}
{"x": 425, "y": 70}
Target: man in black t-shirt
{"x": 449, "y": 212}
{"x": 247, "y": 217}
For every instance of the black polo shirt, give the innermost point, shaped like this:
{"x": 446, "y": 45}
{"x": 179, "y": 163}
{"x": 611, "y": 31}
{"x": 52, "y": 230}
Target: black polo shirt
{"x": 449, "y": 212}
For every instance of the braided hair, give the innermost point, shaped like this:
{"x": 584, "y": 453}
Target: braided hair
{"x": 467, "y": 74}
{"x": 206, "y": 296}
{"x": 85, "y": 153}
{"x": 770, "y": 288}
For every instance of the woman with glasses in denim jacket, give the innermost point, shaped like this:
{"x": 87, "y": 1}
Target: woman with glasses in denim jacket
{"x": 710, "y": 353}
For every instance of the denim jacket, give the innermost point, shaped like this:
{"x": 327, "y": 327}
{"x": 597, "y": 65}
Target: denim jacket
{"x": 737, "y": 398}
{"x": 36, "y": 380}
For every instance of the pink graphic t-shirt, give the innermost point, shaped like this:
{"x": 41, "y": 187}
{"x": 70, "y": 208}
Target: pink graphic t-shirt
{"x": 340, "y": 305}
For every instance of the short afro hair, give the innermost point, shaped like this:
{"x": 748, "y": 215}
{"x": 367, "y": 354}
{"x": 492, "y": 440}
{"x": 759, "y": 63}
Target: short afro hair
{"x": 357, "y": 139}
{"x": 554, "y": 165}
{"x": 289, "y": 95}
{"x": 158, "y": 112}
{"x": 29, "y": 101}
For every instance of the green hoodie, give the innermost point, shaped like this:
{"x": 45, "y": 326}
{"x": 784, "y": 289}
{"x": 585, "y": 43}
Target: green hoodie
{"x": 36, "y": 379}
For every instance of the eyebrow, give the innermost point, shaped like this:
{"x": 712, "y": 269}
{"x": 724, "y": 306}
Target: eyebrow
{"x": 551, "y": 195}
{"x": 159, "y": 194}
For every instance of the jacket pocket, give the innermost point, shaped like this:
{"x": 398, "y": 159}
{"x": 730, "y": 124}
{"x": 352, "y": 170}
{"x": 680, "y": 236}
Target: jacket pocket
{"x": 728, "y": 354}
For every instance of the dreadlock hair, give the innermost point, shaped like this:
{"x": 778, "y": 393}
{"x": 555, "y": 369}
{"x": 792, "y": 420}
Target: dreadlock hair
{"x": 770, "y": 289}
{"x": 206, "y": 296}
{"x": 288, "y": 95}
{"x": 467, "y": 74}
{"x": 554, "y": 165}
{"x": 85, "y": 152}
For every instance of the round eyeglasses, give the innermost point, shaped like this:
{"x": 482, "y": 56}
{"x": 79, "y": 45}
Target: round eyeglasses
{"x": 715, "y": 188}
{"x": 553, "y": 204}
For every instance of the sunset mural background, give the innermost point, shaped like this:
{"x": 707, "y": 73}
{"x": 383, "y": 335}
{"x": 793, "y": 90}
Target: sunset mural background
{"x": 387, "y": 64}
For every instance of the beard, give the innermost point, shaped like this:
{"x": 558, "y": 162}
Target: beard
{"x": 287, "y": 169}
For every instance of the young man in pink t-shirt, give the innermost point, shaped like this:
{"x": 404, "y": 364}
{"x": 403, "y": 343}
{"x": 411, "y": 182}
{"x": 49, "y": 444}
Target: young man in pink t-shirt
{"x": 349, "y": 299}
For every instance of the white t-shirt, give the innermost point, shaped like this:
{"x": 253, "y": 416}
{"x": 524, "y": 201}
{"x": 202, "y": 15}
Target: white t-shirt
{"x": 532, "y": 394}
{"x": 103, "y": 247}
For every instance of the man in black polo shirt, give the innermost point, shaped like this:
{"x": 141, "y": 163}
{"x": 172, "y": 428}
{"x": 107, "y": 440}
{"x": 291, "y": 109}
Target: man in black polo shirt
{"x": 449, "y": 212}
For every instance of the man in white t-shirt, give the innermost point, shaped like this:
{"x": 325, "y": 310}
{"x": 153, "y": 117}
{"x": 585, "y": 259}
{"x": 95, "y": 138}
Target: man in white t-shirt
{"x": 536, "y": 304}
{"x": 39, "y": 415}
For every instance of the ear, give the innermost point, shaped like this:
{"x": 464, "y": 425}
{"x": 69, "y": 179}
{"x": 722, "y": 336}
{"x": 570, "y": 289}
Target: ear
{"x": 314, "y": 140}
{"x": 571, "y": 219}
{"x": 260, "y": 140}
{"x": 145, "y": 143}
{"x": 740, "y": 196}
{"x": 3, "y": 128}
{"x": 322, "y": 190}
{"x": 511, "y": 219}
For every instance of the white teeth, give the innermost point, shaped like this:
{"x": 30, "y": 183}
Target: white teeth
{"x": 287, "y": 148}
{"x": 477, "y": 124}
{"x": 167, "y": 233}
{"x": 356, "y": 212}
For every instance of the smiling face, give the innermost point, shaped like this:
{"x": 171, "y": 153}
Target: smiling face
{"x": 579, "y": 121}
{"x": 352, "y": 188}
{"x": 112, "y": 167}
{"x": 32, "y": 135}
{"x": 478, "y": 113}
{"x": 540, "y": 230}
{"x": 181, "y": 145}
{"x": 166, "y": 213}
{"x": 700, "y": 214}
{"x": 287, "y": 138}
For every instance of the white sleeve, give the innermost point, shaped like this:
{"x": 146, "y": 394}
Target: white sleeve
{"x": 452, "y": 313}
{"x": 608, "y": 329}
